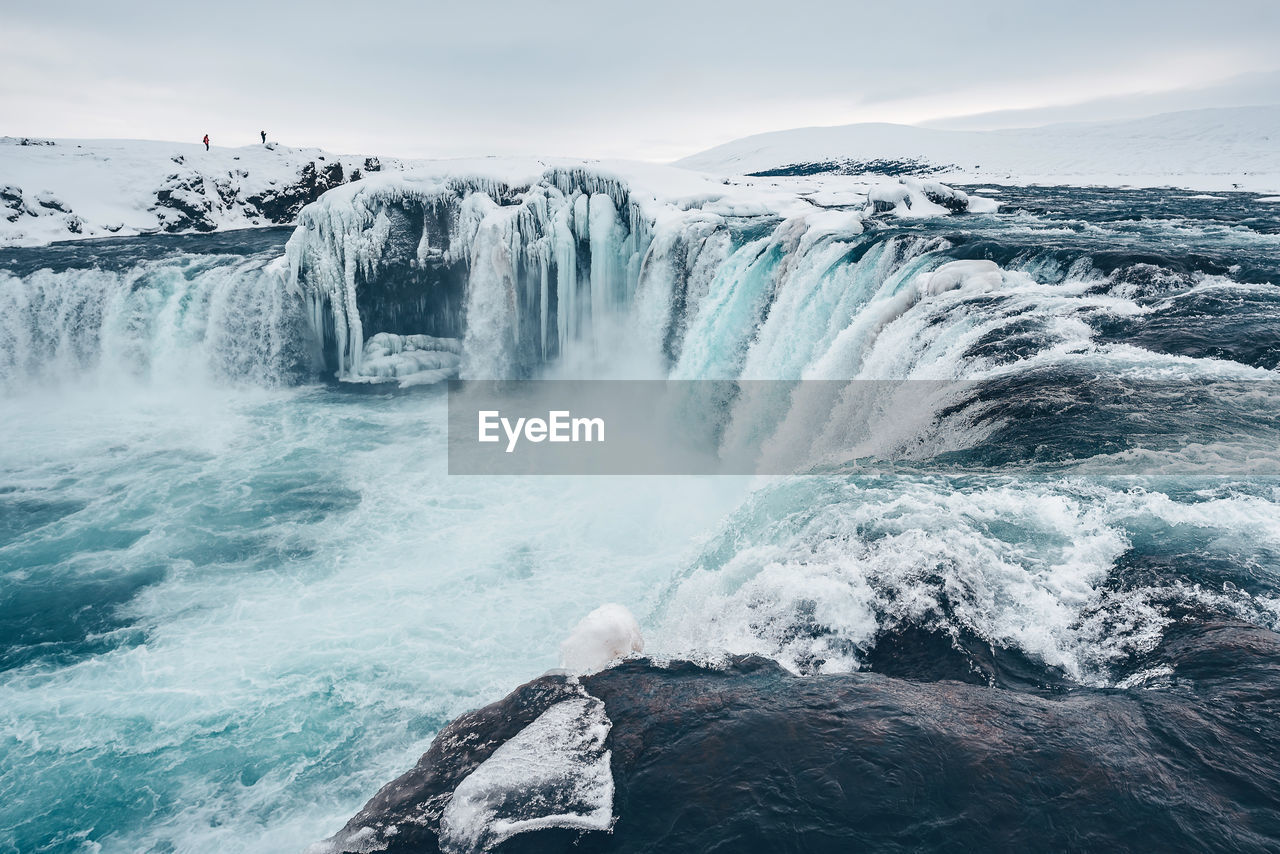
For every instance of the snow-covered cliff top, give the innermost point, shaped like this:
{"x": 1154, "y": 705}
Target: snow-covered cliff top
{"x": 63, "y": 189}
{"x": 67, "y": 189}
{"x": 1215, "y": 149}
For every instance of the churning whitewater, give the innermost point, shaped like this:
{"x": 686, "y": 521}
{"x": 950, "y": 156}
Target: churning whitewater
{"x": 240, "y": 591}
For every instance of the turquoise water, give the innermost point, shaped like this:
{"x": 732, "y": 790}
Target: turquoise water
{"x": 229, "y": 615}
{"x": 235, "y": 599}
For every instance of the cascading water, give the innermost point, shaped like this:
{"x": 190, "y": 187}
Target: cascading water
{"x": 236, "y": 600}
{"x": 187, "y": 318}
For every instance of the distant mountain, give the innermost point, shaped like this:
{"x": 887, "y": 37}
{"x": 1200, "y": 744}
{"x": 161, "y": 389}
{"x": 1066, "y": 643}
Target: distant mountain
{"x": 1213, "y": 149}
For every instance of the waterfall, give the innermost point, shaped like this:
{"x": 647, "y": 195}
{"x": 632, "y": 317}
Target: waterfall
{"x": 192, "y": 318}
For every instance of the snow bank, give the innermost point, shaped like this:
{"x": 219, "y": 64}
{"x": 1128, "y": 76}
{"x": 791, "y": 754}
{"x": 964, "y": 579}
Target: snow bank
{"x": 65, "y": 189}
{"x": 606, "y": 634}
{"x": 1217, "y": 149}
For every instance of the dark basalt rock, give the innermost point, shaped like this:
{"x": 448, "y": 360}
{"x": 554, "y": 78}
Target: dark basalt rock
{"x": 405, "y": 814}
{"x": 12, "y": 199}
{"x": 188, "y": 202}
{"x": 953, "y": 201}
{"x": 750, "y": 758}
{"x": 183, "y": 205}
{"x": 281, "y": 205}
{"x": 895, "y": 167}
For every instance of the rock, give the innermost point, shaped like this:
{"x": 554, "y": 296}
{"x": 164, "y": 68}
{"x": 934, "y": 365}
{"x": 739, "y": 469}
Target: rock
{"x": 282, "y": 205}
{"x": 11, "y": 197}
{"x": 405, "y": 814}
{"x": 183, "y": 206}
{"x": 940, "y": 194}
{"x": 750, "y": 758}
{"x": 49, "y": 201}
{"x": 886, "y": 198}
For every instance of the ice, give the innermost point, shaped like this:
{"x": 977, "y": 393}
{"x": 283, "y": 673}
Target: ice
{"x": 553, "y": 773}
{"x": 973, "y": 275}
{"x": 605, "y": 635}
{"x": 410, "y": 359}
{"x": 980, "y": 205}
{"x": 558, "y": 259}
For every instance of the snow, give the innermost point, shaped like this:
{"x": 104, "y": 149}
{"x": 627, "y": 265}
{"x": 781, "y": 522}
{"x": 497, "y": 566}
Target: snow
{"x": 1215, "y": 149}
{"x": 606, "y": 634}
{"x": 65, "y": 189}
{"x": 973, "y": 275}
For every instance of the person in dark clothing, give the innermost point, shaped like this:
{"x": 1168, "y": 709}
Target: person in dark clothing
{"x": 264, "y": 136}
{"x": 206, "y": 142}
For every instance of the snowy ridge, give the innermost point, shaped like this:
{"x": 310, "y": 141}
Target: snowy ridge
{"x": 66, "y": 189}
{"x": 1213, "y": 149}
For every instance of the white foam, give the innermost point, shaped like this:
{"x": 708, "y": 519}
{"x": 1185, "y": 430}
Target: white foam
{"x": 606, "y": 634}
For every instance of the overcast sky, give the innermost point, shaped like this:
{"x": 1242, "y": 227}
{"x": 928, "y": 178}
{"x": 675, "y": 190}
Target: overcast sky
{"x": 642, "y": 79}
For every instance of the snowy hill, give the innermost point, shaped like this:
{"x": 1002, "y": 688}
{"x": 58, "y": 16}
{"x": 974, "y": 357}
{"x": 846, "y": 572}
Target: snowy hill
{"x": 1211, "y": 149}
{"x": 63, "y": 189}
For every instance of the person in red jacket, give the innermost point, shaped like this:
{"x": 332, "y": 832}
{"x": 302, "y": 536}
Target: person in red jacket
{"x": 206, "y": 142}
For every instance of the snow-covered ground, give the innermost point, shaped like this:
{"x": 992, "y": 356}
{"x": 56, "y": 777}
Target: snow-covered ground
{"x": 1214, "y": 149}
{"x": 64, "y": 189}
{"x": 68, "y": 189}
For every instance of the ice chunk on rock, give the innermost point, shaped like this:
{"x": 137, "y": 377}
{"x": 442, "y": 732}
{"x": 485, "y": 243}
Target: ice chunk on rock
{"x": 553, "y": 773}
{"x": 606, "y": 634}
{"x": 885, "y": 198}
{"x": 972, "y": 275}
{"x": 952, "y": 199}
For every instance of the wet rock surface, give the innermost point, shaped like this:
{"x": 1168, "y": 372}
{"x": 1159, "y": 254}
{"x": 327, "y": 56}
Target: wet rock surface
{"x": 751, "y": 758}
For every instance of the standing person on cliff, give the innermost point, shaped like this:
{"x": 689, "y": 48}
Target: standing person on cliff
{"x": 264, "y": 136}
{"x": 206, "y": 142}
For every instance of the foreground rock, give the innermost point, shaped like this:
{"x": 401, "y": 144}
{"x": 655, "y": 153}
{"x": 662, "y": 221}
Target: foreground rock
{"x": 750, "y": 758}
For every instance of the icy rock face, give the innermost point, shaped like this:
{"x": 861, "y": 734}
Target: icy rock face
{"x": 573, "y": 267}
{"x": 606, "y": 634}
{"x": 909, "y": 197}
{"x": 534, "y": 761}
{"x": 553, "y": 774}
{"x": 518, "y": 272}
